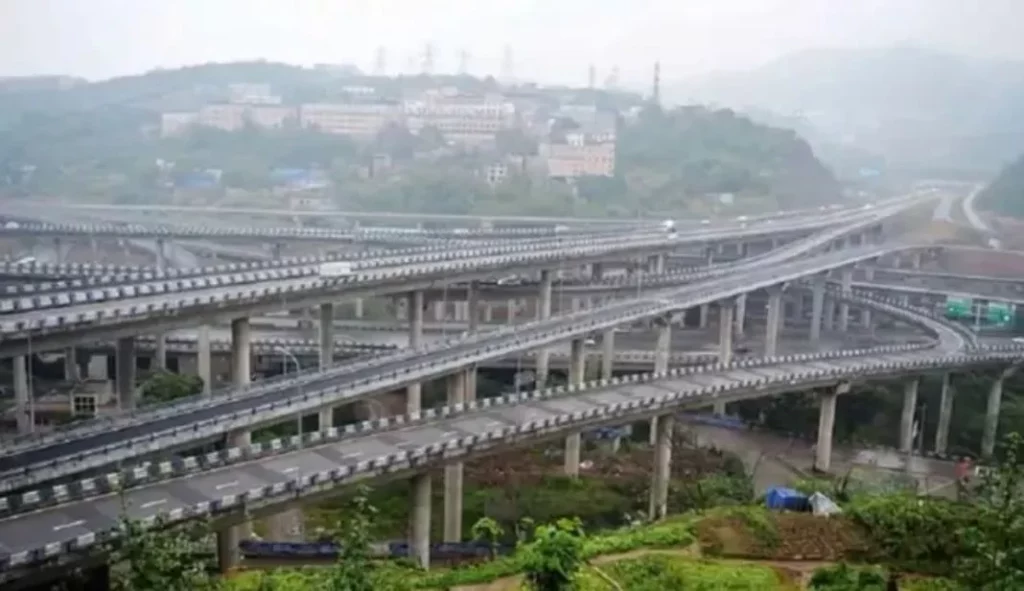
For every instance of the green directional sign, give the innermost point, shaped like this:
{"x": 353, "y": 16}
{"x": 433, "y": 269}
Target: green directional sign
{"x": 1000, "y": 314}
{"x": 959, "y": 308}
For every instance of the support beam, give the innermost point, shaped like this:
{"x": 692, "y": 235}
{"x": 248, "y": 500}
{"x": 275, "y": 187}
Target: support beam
{"x": 125, "y": 373}
{"x": 241, "y": 352}
{"x": 910, "y": 388}
{"x": 543, "y": 313}
{"x": 414, "y": 392}
{"x": 945, "y": 414}
{"x": 577, "y": 371}
{"x": 453, "y": 473}
{"x": 774, "y": 321}
{"x": 662, "y": 473}
{"x": 817, "y": 307}
{"x": 607, "y": 354}
{"x": 22, "y": 396}
{"x": 725, "y": 324}
{"x": 326, "y": 335}
{"x": 419, "y": 538}
{"x": 203, "y": 363}
{"x": 826, "y": 425}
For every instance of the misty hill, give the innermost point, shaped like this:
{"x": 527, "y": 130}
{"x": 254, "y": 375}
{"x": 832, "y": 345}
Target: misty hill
{"x": 1005, "y": 194}
{"x": 920, "y": 109}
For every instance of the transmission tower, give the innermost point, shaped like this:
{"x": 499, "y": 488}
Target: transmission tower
{"x": 428, "y": 59}
{"x": 591, "y": 77}
{"x": 656, "y": 90}
{"x": 463, "y": 62}
{"x": 508, "y": 66}
{"x": 380, "y": 64}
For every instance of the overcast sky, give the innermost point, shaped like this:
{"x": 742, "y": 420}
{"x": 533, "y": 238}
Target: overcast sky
{"x": 552, "y": 40}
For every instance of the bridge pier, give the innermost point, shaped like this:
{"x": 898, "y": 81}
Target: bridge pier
{"x": 22, "y": 396}
{"x": 662, "y": 353}
{"x": 70, "y": 364}
{"x": 774, "y": 322}
{"x": 543, "y": 313}
{"x": 607, "y": 354}
{"x": 662, "y": 473}
{"x": 357, "y": 308}
{"x": 741, "y": 313}
{"x": 325, "y": 418}
{"x": 910, "y": 389}
{"x": 865, "y": 313}
{"x": 826, "y": 425}
{"x": 203, "y": 360}
{"x": 846, "y": 282}
{"x": 419, "y": 526}
{"x": 726, "y": 309}
{"x": 945, "y": 414}
{"x": 473, "y": 305}
{"x": 577, "y": 370}
{"x": 241, "y": 351}
{"x": 817, "y": 307}
{"x": 125, "y": 376}
{"x": 705, "y": 312}
{"x": 228, "y": 553}
{"x": 414, "y": 392}
{"x": 161, "y": 254}
{"x": 829, "y": 315}
{"x": 995, "y": 397}
{"x": 160, "y": 353}
{"x": 453, "y": 473}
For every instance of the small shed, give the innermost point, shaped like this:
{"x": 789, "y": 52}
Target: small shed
{"x": 786, "y": 499}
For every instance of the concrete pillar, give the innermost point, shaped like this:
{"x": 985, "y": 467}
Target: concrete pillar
{"x": 597, "y": 271}
{"x": 357, "y": 308}
{"x": 419, "y": 538}
{"x": 242, "y": 531}
{"x": 228, "y": 554}
{"x": 124, "y": 366}
{"x": 988, "y": 435}
{"x": 577, "y": 370}
{"x": 543, "y": 313}
{"x": 414, "y": 392}
{"x": 439, "y": 311}
{"x": 910, "y": 388}
{"x": 203, "y": 358}
{"x": 22, "y": 397}
{"x": 473, "y": 304}
{"x": 826, "y": 424}
{"x": 829, "y": 315}
{"x": 817, "y": 307}
{"x": 326, "y": 335}
{"x": 70, "y": 365}
{"x": 725, "y": 323}
{"x": 774, "y": 321}
{"x": 58, "y": 250}
{"x": 607, "y": 354}
{"x": 161, "y": 254}
{"x": 241, "y": 352}
{"x": 846, "y": 281}
{"x": 663, "y": 348}
{"x": 662, "y": 474}
{"x": 160, "y": 353}
{"x": 740, "y": 313}
{"x": 705, "y": 312}
{"x": 488, "y": 312}
{"x": 453, "y": 473}
{"x": 945, "y": 414}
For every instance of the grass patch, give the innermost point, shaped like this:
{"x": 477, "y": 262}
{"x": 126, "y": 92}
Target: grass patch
{"x": 753, "y": 532}
{"x": 660, "y": 573}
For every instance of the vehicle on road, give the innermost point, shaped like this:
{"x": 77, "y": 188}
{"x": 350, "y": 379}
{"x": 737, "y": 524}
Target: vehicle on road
{"x": 335, "y": 269}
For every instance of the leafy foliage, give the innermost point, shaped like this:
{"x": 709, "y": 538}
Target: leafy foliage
{"x": 843, "y": 577}
{"x": 553, "y": 558}
{"x": 488, "y": 530}
{"x": 659, "y": 573}
{"x": 166, "y": 386}
{"x": 150, "y": 558}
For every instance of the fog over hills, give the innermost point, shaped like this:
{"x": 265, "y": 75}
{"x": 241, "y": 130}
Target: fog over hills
{"x": 920, "y": 109}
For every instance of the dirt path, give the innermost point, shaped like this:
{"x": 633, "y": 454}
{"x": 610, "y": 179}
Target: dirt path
{"x": 799, "y": 571}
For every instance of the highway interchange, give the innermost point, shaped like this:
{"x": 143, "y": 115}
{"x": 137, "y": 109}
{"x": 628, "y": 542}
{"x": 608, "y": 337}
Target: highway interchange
{"x": 74, "y": 517}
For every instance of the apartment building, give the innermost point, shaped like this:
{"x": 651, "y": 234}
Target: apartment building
{"x": 355, "y": 119}
{"x": 228, "y": 117}
{"x": 579, "y": 157}
{"x": 459, "y": 118}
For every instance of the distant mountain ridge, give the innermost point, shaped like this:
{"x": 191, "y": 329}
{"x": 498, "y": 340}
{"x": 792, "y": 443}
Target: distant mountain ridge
{"x": 919, "y": 108}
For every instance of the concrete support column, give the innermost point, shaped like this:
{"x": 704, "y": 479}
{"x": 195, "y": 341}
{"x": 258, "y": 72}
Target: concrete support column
{"x": 326, "y": 335}
{"x": 705, "y": 313}
{"x": 829, "y": 315}
{"x": 357, "y": 308}
{"x": 846, "y": 282}
{"x": 228, "y": 553}
{"x": 161, "y": 254}
{"x": 662, "y": 474}
{"x": 125, "y": 369}
{"x": 70, "y": 365}
{"x": 473, "y": 305}
{"x": 543, "y": 313}
{"x": 22, "y": 397}
{"x": 160, "y": 354}
{"x": 774, "y": 322}
{"x": 241, "y": 351}
{"x": 869, "y": 275}
{"x": 988, "y": 435}
{"x": 453, "y": 473}
{"x": 414, "y": 392}
{"x": 945, "y": 414}
{"x": 826, "y": 424}
{"x": 817, "y": 307}
{"x": 662, "y": 354}
{"x": 725, "y": 323}
{"x": 741, "y": 313}
{"x": 203, "y": 359}
{"x": 242, "y": 531}
{"x": 607, "y": 354}
{"x": 577, "y": 370}
{"x": 910, "y": 388}
{"x": 419, "y": 538}
{"x": 58, "y": 250}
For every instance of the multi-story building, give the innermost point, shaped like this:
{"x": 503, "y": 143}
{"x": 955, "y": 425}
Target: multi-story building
{"x": 252, "y": 94}
{"x": 579, "y": 158}
{"x": 461, "y": 119}
{"x": 177, "y": 123}
{"x": 229, "y": 117}
{"x": 360, "y": 119}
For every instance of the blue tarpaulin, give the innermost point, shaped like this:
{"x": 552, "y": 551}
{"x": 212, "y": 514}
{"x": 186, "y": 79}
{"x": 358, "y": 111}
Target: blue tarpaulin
{"x": 785, "y": 499}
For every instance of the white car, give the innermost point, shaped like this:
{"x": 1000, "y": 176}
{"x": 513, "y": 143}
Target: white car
{"x": 1018, "y": 340}
{"x": 705, "y": 222}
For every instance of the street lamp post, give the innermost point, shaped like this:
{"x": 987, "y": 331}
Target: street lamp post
{"x": 287, "y": 354}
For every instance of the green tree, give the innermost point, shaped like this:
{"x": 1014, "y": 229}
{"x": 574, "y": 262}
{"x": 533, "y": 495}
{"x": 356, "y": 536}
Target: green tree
{"x": 156, "y": 558}
{"x": 165, "y": 386}
{"x": 355, "y": 570}
{"x": 554, "y": 557}
{"x": 995, "y": 536}
{"x": 488, "y": 530}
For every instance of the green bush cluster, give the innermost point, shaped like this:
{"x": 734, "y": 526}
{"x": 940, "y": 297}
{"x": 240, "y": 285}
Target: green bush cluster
{"x": 661, "y": 573}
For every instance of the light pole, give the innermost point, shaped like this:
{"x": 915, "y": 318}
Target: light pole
{"x": 287, "y": 354}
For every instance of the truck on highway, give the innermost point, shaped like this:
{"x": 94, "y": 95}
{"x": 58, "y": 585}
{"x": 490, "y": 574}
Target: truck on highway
{"x": 335, "y": 269}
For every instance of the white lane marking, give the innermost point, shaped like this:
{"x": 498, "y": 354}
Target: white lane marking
{"x": 226, "y": 485}
{"x": 78, "y": 523}
{"x": 155, "y": 503}
{"x": 352, "y": 456}
{"x": 289, "y": 470}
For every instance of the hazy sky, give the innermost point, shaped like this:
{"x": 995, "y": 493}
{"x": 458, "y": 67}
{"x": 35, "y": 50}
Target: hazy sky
{"x": 551, "y": 39}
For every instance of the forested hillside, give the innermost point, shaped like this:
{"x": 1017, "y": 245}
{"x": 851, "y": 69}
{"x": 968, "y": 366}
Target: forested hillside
{"x": 1005, "y": 194}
